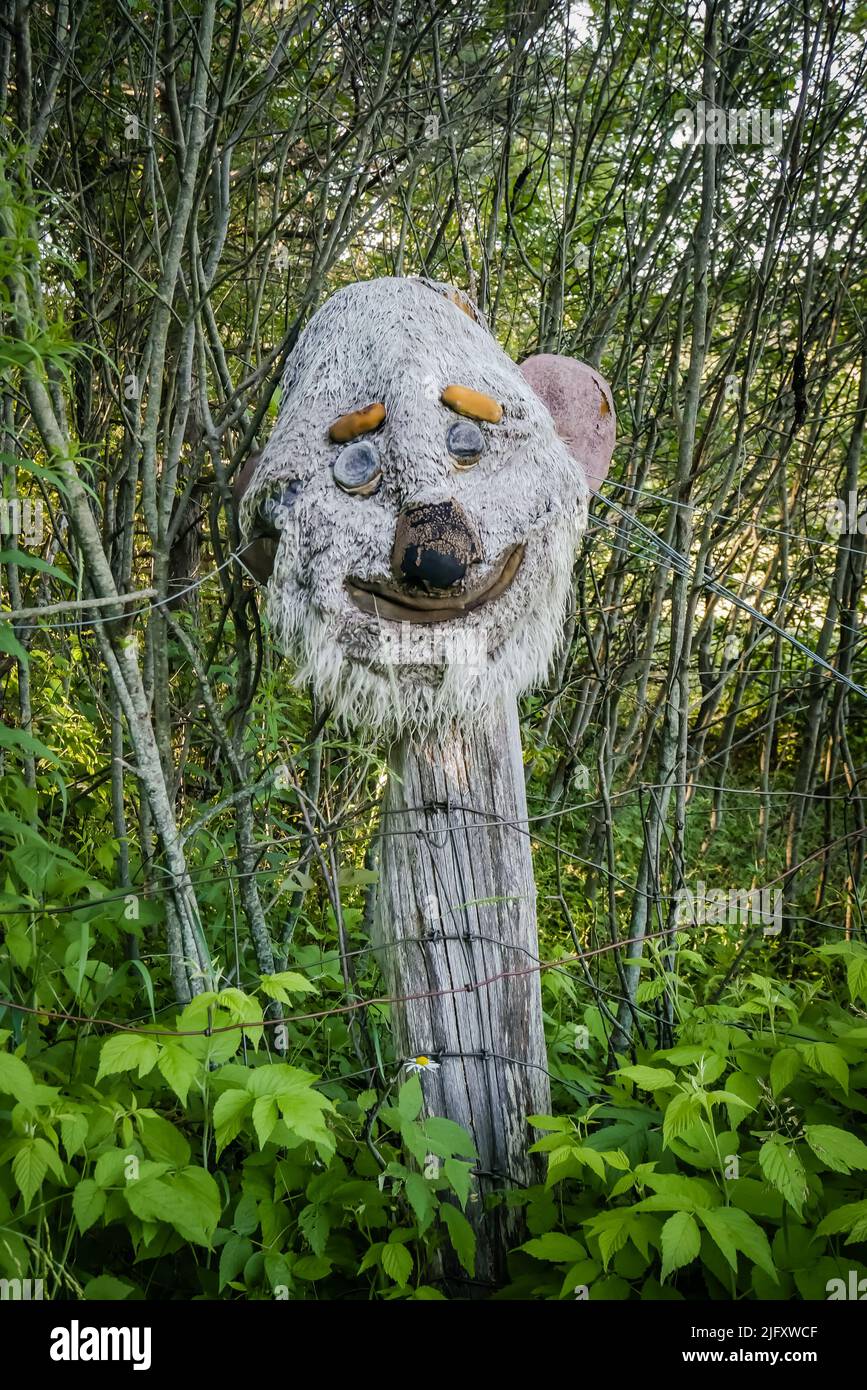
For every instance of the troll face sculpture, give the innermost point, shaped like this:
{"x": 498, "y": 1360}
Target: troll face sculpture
{"x": 416, "y": 509}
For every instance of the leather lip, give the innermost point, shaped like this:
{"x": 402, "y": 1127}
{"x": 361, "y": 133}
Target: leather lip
{"x": 381, "y": 600}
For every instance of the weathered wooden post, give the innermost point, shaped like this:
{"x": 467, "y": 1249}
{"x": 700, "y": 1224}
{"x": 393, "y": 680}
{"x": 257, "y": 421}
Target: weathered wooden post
{"x": 416, "y": 512}
{"x": 457, "y": 931}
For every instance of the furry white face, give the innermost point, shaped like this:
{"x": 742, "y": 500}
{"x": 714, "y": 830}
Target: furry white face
{"x": 422, "y": 549}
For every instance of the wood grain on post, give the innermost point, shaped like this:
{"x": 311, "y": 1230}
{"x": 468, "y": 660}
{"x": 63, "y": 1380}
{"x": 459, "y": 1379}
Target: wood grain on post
{"x": 458, "y": 905}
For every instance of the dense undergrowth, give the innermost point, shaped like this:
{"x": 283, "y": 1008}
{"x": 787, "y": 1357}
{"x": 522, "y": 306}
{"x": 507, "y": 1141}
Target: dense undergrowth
{"x": 181, "y": 187}
{"x": 142, "y": 1165}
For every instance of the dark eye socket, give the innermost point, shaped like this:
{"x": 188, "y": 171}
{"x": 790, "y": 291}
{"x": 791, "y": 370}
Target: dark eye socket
{"x": 466, "y": 443}
{"x": 274, "y": 508}
{"x": 357, "y": 468}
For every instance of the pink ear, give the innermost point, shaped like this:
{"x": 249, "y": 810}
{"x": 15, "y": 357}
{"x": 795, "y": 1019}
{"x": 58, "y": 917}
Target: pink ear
{"x": 579, "y": 402}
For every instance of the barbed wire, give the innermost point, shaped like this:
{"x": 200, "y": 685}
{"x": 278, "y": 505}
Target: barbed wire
{"x": 538, "y": 966}
{"x": 201, "y": 880}
{"x": 680, "y": 563}
{"x": 749, "y": 522}
{"x": 338, "y": 1009}
{"x": 604, "y": 527}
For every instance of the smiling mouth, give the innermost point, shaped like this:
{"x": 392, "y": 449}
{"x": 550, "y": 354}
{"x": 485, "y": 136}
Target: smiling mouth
{"x": 383, "y": 601}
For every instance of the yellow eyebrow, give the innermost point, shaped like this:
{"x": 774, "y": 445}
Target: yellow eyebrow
{"x": 357, "y": 422}
{"x": 461, "y": 304}
{"x": 473, "y": 403}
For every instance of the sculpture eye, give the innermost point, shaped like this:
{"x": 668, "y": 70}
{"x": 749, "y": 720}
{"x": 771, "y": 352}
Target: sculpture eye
{"x": 357, "y": 468}
{"x": 274, "y": 509}
{"x": 466, "y": 443}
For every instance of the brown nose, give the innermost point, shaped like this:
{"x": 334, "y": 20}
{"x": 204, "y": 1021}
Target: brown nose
{"x": 434, "y": 545}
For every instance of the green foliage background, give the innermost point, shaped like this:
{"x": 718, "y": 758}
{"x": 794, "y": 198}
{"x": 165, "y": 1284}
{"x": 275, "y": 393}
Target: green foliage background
{"x": 720, "y": 1150}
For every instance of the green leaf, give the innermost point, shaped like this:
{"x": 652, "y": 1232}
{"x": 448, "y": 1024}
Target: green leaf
{"x": 683, "y": 1056}
{"x": 674, "y": 1192}
{"x": 88, "y": 1204}
{"x": 73, "y": 1131}
{"x": 649, "y": 989}
{"x": 229, "y": 1113}
{"x": 733, "y": 1230}
{"x": 856, "y": 976}
{"x": 52, "y": 1157}
{"x": 856, "y": 964}
{"x": 16, "y": 1079}
{"x": 563, "y": 1163}
{"x": 681, "y": 1242}
{"x": 421, "y": 1199}
{"x": 589, "y": 1158}
{"x": 143, "y": 973}
{"x": 680, "y": 1114}
{"x": 246, "y": 1215}
{"x": 582, "y": 1273}
{"x": 410, "y": 1099}
{"x": 29, "y": 1167}
{"x": 26, "y": 560}
{"x": 304, "y": 1113}
{"x": 189, "y": 1201}
{"x": 311, "y": 1267}
{"x": 825, "y": 1057}
{"x": 838, "y": 1150}
{"x": 288, "y": 982}
{"x": 617, "y": 1159}
{"x": 163, "y": 1140}
{"x": 748, "y": 1091}
{"x": 277, "y": 1078}
{"x": 397, "y": 1263}
{"x": 460, "y": 1176}
{"x": 105, "y": 1288}
{"x": 612, "y": 1229}
{"x": 784, "y": 1068}
{"x": 851, "y": 1217}
{"x": 109, "y": 1169}
{"x": 756, "y": 1197}
{"x": 784, "y": 1171}
{"x": 461, "y": 1235}
{"x": 179, "y": 1068}
{"x": 21, "y": 742}
{"x": 264, "y": 1118}
{"x": 83, "y": 948}
{"x": 413, "y": 1136}
{"x": 9, "y": 643}
{"x": 372, "y": 1256}
{"x": 721, "y": 1235}
{"x": 447, "y": 1139}
{"x": 315, "y": 1224}
{"x": 649, "y": 1078}
{"x": 561, "y": 1249}
{"x": 242, "y": 1008}
{"x": 126, "y": 1052}
{"x": 233, "y": 1256}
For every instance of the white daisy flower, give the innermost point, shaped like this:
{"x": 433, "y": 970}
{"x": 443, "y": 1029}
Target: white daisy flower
{"x": 421, "y": 1064}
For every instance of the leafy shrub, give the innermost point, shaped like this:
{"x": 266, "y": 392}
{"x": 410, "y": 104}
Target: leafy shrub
{"x": 226, "y": 1174}
{"x": 729, "y": 1166}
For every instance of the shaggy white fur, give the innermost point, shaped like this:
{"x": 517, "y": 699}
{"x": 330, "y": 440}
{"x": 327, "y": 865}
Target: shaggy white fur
{"x": 402, "y": 342}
